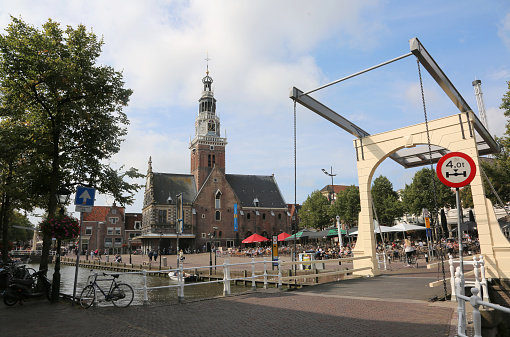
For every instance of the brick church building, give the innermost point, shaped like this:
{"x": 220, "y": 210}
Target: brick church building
{"x": 219, "y": 209}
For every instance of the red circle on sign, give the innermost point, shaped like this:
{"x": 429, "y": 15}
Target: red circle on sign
{"x": 443, "y": 175}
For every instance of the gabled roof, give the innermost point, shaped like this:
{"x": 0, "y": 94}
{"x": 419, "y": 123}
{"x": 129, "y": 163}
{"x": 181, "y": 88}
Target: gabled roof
{"x": 249, "y": 187}
{"x": 336, "y": 188}
{"x": 99, "y": 213}
{"x": 171, "y": 184}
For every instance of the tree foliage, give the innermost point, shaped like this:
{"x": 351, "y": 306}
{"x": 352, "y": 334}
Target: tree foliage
{"x": 314, "y": 211}
{"x": 347, "y": 206}
{"x": 420, "y": 193}
{"x": 466, "y": 197}
{"x": 386, "y": 201}
{"x": 73, "y": 107}
{"x": 498, "y": 169}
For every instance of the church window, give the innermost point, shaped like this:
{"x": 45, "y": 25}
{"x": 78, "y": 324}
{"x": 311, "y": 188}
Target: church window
{"x": 203, "y": 216}
{"x": 217, "y": 200}
{"x": 256, "y": 202}
{"x": 209, "y": 161}
{"x": 212, "y": 147}
{"x": 248, "y": 217}
{"x": 263, "y": 216}
{"x": 213, "y": 160}
{"x": 220, "y": 234}
{"x": 218, "y": 215}
{"x": 279, "y": 216}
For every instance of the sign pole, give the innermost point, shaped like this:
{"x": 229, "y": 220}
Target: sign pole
{"x": 77, "y": 260}
{"x": 459, "y": 224}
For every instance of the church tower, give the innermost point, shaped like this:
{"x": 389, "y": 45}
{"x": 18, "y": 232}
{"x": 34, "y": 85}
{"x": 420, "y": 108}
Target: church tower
{"x": 208, "y": 147}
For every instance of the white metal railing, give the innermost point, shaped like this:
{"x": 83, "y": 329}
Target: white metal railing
{"x": 475, "y": 302}
{"x": 480, "y": 281}
{"x": 227, "y": 278}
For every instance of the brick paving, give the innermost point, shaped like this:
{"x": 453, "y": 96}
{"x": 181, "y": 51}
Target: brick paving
{"x": 393, "y": 304}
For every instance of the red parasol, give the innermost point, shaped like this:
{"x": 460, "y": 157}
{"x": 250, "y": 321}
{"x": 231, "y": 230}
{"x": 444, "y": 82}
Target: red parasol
{"x": 255, "y": 238}
{"x": 283, "y": 236}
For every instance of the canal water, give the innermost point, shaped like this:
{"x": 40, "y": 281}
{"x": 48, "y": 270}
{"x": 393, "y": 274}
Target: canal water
{"x": 156, "y": 296}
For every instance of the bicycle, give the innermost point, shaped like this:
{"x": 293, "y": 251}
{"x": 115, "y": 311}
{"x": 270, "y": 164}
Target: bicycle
{"x": 411, "y": 261}
{"x": 120, "y": 294}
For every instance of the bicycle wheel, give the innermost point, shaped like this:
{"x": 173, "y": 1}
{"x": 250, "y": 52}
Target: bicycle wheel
{"x": 10, "y": 299}
{"x": 122, "y": 295}
{"x": 87, "y": 297}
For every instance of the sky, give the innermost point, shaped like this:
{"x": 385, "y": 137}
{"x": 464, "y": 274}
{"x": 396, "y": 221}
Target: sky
{"x": 259, "y": 50}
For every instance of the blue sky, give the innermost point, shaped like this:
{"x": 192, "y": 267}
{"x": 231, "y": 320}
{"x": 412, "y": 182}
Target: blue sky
{"x": 260, "y": 49}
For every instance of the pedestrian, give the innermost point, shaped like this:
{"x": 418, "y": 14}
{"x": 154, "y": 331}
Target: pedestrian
{"x": 150, "y": 256}
{"x": 155, "y": 255}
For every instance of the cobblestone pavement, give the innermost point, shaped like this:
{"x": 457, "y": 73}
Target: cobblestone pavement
{"x": 393, "y": 304}
{"x": 263, "y": 313}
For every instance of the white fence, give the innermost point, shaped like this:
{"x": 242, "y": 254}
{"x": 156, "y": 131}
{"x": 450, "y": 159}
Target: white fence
{"x": 227, "y": 279}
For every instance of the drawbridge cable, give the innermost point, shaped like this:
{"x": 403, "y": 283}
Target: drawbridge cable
{"x": 436, "y": 219}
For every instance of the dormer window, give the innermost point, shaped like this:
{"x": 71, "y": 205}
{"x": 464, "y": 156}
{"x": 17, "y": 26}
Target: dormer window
{"x": 169, "y": 200}
{"x": 256, "y": 202}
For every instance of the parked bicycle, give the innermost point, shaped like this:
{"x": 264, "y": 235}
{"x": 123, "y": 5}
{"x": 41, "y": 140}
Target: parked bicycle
{"x": 120, "y": 294}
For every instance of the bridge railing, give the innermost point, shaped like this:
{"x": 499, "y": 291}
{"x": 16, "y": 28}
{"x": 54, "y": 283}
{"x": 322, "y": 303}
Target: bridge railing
{"x": 476, "y": 302}
{"x": 227, "y": 278}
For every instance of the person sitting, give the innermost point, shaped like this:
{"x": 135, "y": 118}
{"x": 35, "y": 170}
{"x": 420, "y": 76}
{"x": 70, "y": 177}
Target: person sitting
{"x": 118, "y": 258}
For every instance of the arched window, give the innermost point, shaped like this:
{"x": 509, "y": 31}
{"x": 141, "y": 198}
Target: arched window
{"x": 209, "y": 161}
{"x": 213, "y": 160}
{"x": 218, "y": 215}
{"x": 263, "y": 216}
{"x": 217, "y": 200}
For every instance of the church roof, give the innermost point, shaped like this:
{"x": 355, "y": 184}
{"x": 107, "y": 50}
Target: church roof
{"x": 251, "y": 187}
{"x": 171, "y": 184}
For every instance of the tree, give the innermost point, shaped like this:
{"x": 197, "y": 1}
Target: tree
{"x": 386, "y": 201}
{"x": 420, "y": 193}
{"x": 50, "y": 81}
{"x": 466, "y": 197}
{"x": 347, "y": 206}
{"x": 498, "y": 169}
{"x": 314, "y": 211}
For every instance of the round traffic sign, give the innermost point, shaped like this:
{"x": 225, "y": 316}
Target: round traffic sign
{"x": 456, "y": 169}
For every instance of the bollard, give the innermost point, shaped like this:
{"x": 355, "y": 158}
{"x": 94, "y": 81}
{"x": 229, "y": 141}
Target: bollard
{"x": 477, "y": 318}
{"x": 485, "y": 292}
{"x": 461, "y": 311}
{"x": 164, "y": 262}
{"x": 452, "y": 278}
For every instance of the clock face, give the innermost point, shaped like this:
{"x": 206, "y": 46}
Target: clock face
{"x": 211, "y": 126}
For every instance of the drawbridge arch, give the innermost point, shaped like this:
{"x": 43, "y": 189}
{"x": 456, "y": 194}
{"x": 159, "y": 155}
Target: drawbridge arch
{"x": 462, "y": 132}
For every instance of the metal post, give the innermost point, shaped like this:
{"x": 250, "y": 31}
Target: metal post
{"x": 279, "y": 273}
{"x": 253, "y": 284}
{"x": 145, "y": 298}
{"x": 485, "y": 292}
{"x": 130, "y": 247}
{"x": 265, "y": 274}
{"x": 210, "y": 254}
{"x": 459, "y": 224}
{"x": 77, "y": 260}
{"x": 452, "y": 278}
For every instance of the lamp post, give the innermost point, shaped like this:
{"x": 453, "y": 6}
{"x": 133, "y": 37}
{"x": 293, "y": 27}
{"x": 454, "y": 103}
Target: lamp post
{"x": 210, "y": 253}
{"x": 130, "y": 250}
{"x": 159, "y": 249}
{"x": 62, "y": 197}
{"x": 332, "y": 185}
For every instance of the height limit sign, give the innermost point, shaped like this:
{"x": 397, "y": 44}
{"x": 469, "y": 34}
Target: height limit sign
{"x": 456, "y": 169}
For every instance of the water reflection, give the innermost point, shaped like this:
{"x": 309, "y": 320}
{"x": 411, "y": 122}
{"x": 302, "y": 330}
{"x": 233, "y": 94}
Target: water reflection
{"x": 157, "y": 296}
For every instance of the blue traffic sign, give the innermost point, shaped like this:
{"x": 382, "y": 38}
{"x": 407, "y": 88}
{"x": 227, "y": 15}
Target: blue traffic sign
{"x": 85, "y": 196}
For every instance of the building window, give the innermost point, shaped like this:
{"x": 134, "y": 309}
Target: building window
{"x": 209, "y": 161}
{"x": 220, "y": 234}
{"x": 138, "y": 224}
{"x": 88, "y": 230}
{"x": 118, "y": 242}
{"x": 230, "y": 243}
{"x": 117, "y": 231}
{"x": 213, "y": 160}
{"x": 113, "y": 221}
{"x": 203, "y": 216}
{"x": 256, "y": 202}
{"x": 114, "y": 211}
{"x": 248, "y": 216}
{"x": 218, "y": 200}
{"x": 263, "y": 216}
{"x": 132, "y": 235}
{"x": 108, "y": 242}
{"x": 204, "y": 235}
{"x": 162, "y": 216}
{"x": 279, "y": 216}
{"x": 109, "y": 231}
{"x": 218, "y": 215}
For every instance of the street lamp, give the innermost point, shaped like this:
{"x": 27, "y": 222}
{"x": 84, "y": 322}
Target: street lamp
{"x": 210, "y": 253}
{"x": 130, "y": 250}
{"x": 332, "y": 186}
{"x": 62, "y": 196}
